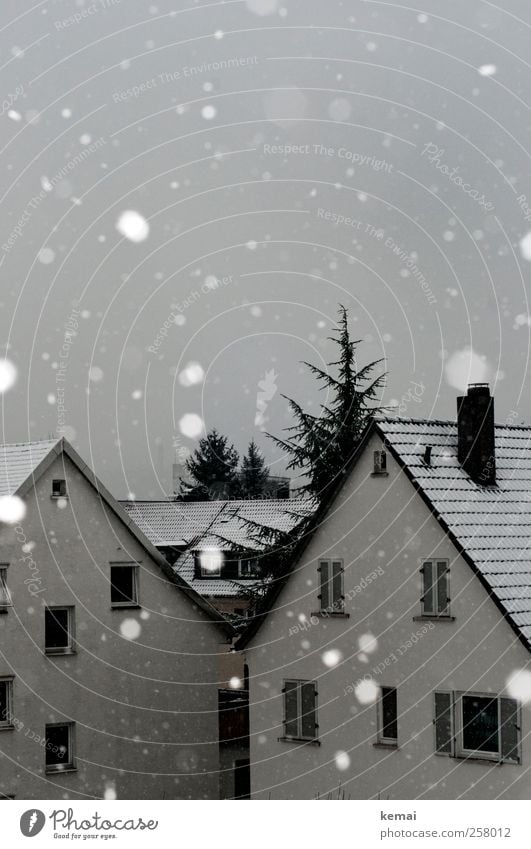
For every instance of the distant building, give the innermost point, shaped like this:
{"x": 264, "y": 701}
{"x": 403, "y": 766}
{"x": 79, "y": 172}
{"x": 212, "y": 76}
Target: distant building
{"x": 108, "y": 668}
{"x": 393, "y": 662}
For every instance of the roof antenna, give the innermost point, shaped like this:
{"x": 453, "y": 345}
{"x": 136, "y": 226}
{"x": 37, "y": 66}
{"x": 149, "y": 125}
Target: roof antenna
{"x": 427, "y": 455}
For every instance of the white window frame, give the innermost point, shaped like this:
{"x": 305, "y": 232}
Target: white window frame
{"x": 64, "y": 767}
{"x": 460, "y": 750}
{"x": 70, "y": 647}
{"x": 121, "y": 605}
{"x": 435, "y": 614}
{"x": 5, "y": 596}
{"x": 6, "y": 722}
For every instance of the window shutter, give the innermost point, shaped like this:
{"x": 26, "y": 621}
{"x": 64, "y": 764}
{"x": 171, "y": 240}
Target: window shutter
{"x": 428, "y": 594}
{"x": 290, "y": 709}
{"x": 309, "y": 717}
{"x": 509, "y": 730}
{"x": 325, "y": 585}
{"x": 443, "y": 724}
{"x": 442, "y": 587}
{"x": 337, "y": 584}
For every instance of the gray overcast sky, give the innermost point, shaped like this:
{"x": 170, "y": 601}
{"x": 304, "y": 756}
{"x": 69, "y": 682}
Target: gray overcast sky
{"x": 276, "y": 157}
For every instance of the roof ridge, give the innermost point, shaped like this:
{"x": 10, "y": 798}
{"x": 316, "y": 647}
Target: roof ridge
{"x": 410, "y": 420}
{"x": 54, "y": 440}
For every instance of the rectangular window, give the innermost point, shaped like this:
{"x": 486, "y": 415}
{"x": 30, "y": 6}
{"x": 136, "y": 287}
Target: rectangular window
{"x": 209, "y": 563}
{"x": 248, "y": 568}
{"x": 60, "y": 747}
{"x": 388, "y": 716}
{"x": 124, "y": 585}
{"x": 5, "y": 599}
{"x": 331, "y": 596}
{"x": 59, "y": 488}
{"x": 380, "y": 463}
{"x": 477, "y": 725}
{"x": 6, "y": 702}
{"x": 435, "y": 599}
{"x": 300, "y": 710}
{"x": 59, "y": 630}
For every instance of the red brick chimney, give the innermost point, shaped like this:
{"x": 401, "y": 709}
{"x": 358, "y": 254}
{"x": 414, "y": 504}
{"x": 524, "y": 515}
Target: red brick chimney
{"x": 475, "y": 434}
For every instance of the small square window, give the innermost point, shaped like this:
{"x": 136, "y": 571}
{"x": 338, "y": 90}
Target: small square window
{"x": 5, "y": 599}
{"x": 124, "y": 585}
{"x": 380, "y": 463}
{"x": 248, "y": 568}
{"x": 60, "y": 747}
{"x": 59, "y": 488}
{"x": 6, "y": 702}
{"x": 388, "y": 716}
{"x": 59, "y": 630}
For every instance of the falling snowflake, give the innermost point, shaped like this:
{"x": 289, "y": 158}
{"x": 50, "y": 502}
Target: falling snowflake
{"x": 192, "y": 374}
{"x": 14, "y": 115}
{"x": 235, "y": 683}
{"x": 487, "y": 70}
{"x": 130, "y": 629}
{"x": 8, "y": 375}
{"x": 262, "y": 7}
{"x": 367, "y": 691}
{"x": 367, "y": 643}
{"x": 191, "y": 425}
{"x": 95, "y": 374}
{"x": 46, "y": 256}
{"x": 342, "y": 760}
{"x": 331, "y": 657}
{"x": 209, "y": 112}
{"x": 525, "y": 246}
{"x": 466, "y": 367}
{"x": 133, "y": 226}
{"x": 210, "y": 560}
{"x": 519, "y": 685}
{"x": 12, "y": 509}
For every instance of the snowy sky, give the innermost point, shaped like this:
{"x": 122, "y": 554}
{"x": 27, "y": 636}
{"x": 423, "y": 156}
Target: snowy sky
{"x": 203, "y": 182}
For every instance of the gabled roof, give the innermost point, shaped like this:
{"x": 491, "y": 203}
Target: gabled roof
{"x": 21, "y": 466}
{"x": 20, "y": 460}
{"x": 489, "y": 525}
{"x": 224, "y": 525}
{"x": 227, "y": 525}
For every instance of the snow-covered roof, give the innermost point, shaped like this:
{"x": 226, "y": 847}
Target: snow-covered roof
{"x": 492, "y": 524}
{"x": 227, "y": 525}
{"x": 19, "y": 461}
{"x": 224, "y": 525}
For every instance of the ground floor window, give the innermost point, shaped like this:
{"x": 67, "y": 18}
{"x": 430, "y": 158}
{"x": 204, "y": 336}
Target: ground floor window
{"x": 477, "y": 725}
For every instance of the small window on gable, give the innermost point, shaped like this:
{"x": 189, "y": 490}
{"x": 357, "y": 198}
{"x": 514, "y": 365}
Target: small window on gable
{"x": 5, "y": 599}
{"x": 380, "y": 463}
{"x": 388, "y": 716}
{"x": 435, "y": 598}
{"x": 300, "y": 710}
{"x": 6, "y": 702}
{"x": 59, "y": 630}
{"x": 60, "y": 747}
{"x": 59, "y": 488}
{"x": 331, "y": 596}
{"x": 124, "y": 585}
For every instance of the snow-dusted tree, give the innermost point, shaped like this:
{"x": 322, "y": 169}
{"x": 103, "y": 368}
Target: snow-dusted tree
{"x": 212, "y": 469}
{"x": 254, "y": 474}
{"x": 320, "y": 446}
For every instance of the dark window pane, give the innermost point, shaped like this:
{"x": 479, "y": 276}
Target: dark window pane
{"x": 4, "y": 702}
{"x": 442, "y": 587}
{"x": 308, "y": 709}
{"x": 291, "y": 709}
{"x": 480, "y": 724}
{"x": 325, "y": 585}
{"x": 123, "y": 589}
{"x": 4, "y": 594}
{"x": 59, "y": 487}
{"x": 57, "y": 745}
{"x": 56, "y": 629}
{"x": 389, "y": 713}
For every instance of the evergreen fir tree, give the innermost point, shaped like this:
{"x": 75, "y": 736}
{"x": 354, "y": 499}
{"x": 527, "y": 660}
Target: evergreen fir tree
{"x": 321, "y": 445}
{"x": 254, "y": 474}
{"x": 212, "y": 469}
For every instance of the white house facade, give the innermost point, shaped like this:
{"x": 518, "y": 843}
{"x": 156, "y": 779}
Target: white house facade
{"x": 392, "y": 662}
{"x": 108, "y": 663}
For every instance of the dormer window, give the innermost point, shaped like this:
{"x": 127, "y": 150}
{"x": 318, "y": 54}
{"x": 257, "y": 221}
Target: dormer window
{"x": 380, "y": 463}
{"x": 59, "y": 488}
